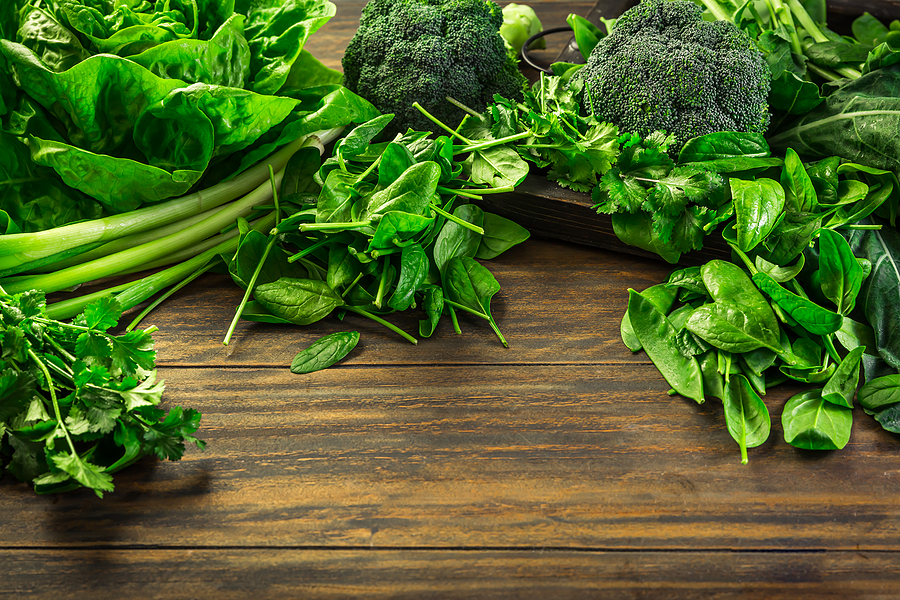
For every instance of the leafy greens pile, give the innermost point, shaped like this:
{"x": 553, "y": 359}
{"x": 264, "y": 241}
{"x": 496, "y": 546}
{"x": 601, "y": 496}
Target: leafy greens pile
{"x": 813, "y": 291}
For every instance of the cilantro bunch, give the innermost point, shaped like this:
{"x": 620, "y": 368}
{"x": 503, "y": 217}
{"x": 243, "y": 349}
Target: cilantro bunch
{"x": 676, "y": 203}
{"x": 78, "y": 403}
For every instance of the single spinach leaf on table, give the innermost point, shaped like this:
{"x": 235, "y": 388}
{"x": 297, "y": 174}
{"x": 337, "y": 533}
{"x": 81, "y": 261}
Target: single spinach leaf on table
{"x": 811, "y": 423}
{"x": 471, "y": 285}
{"x": 324, "y": 352}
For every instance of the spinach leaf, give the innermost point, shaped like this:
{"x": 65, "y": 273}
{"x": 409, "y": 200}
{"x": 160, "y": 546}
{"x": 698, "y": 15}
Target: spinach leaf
{"x": 657, "y": 337}
{"x": 324, "y": 352}
{"x": 662, "y": 297}
{"x": 739, "y": 319}
{"x": 413, "y": 272}
{"x": 881, "y": 293}
{"x": 840, "y": 273}
{"x": 433, "y": 305}
{"x": 500, "y": 234}
{"x": 411, "y": 192}
{"x": 455, "y": 240}
{"x": 812, "y": 317}
{"x": 471, "y": 286}
{"x": 724, "y": 145}
{"x": 811, "y": 423}
{"x": 300, "y": 301}
{"x": 841, "y": 388}
{"x": 499, "y": 166}
{"x": 881, "y": 392}
{"x": 746, "y": 415}
{"x": 757, "y": 206}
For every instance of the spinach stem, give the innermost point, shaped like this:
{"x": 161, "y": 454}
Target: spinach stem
{"x": 437, "y": 122}
{"x": 457, "y": 220}
{"x": 333, "y": 226}
{"x": 237, "y": 315}
{"x": 381, "y": 321}
{"x": 491, "y": 143}
{"x": 306, "y": 251}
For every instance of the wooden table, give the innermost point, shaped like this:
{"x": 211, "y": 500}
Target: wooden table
{"x": 556, "y": 468}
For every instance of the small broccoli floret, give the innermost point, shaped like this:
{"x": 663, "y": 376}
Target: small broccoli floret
{"x": 422, "y": 51}
{"x": 663, "y": 68}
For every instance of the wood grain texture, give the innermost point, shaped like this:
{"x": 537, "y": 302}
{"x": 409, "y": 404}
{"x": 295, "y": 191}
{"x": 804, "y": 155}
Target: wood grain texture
{"x": 559, "y": 303}
{"x": 237, "y": 574}
{"x": 580, "y": 456}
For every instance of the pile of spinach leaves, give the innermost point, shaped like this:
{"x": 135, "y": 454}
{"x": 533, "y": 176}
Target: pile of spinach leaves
{"x": 105, "y": 106}
{"x": 376, "y": 228}
{"x": 813, "y": 291}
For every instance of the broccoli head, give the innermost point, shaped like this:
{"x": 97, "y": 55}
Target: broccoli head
{"x": 425, "y": 50}
{"x": 663, "y": 68}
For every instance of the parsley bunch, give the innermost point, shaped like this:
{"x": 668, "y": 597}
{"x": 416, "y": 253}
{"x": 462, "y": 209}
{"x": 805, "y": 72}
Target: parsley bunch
{"x": 78, "y": 403}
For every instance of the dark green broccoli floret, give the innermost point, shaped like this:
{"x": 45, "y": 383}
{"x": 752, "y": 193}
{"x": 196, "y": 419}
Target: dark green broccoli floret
{"x": 425, "y": 50}
{"x": 663, "y": 68}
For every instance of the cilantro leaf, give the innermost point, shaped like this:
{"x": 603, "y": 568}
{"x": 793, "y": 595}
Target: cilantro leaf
{"x": 86, "y": 473}
{"x": 132, "y": 352}
{"x": 103, "y": 313}
{"x": 617, "y": 194}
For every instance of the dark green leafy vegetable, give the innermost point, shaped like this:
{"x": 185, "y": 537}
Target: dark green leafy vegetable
{"x": 324, "y": 352}
{"x": 812, "y": 423}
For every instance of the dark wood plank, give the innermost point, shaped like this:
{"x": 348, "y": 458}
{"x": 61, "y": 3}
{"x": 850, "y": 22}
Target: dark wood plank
{"x": 237, "y": 574}
{"x": 559, "y": 303}
{"x": 474, "y": 456}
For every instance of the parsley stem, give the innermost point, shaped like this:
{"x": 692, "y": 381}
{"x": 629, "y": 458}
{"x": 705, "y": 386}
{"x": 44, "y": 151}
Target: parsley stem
{"x": 381, "y": 321}
{"x": 60, "y": 423}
